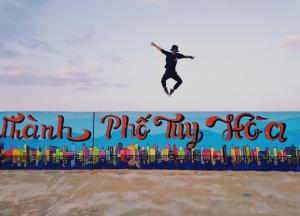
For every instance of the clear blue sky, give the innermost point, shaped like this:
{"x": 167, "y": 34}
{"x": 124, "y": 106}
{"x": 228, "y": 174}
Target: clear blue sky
{"x": 96, "y": 56}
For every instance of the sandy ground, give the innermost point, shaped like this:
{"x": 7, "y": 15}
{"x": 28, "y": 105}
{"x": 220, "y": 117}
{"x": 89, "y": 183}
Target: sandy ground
{"x": 148, "y": 192}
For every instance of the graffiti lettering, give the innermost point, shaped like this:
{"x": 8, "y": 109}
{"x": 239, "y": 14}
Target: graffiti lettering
{"x": 235, "y": 127}
{"x": 280, "y": 135}
{"x": 30, "y": 131}
{"x": 61, "y": 127}
{"x": 177, "y": 129}
{"x": 114, "y": 122}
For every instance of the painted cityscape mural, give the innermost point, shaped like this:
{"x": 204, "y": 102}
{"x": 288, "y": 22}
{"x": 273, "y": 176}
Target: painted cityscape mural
{"x": 150, "y": 140}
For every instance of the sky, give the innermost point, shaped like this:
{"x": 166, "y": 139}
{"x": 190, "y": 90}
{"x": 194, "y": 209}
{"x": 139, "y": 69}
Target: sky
{"x": 78, "y": 55}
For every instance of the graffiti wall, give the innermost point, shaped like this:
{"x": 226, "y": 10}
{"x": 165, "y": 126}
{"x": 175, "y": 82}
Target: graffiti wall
{"x": 150, "y": 140}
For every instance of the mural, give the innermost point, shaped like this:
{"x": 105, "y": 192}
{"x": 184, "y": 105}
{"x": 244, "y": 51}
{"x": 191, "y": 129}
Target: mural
{"x": 150, "y": 140}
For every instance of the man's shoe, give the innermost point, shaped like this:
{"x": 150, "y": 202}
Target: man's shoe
{"x": 171, "y": 91}
{"x": 166, "y": 90}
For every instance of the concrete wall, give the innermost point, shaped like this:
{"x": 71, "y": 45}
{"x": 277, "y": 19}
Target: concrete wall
{"x": 163, "y": 140}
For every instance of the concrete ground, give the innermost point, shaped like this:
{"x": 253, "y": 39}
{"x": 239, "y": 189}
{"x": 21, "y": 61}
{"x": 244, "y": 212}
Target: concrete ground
{"x": 148, "y": 192}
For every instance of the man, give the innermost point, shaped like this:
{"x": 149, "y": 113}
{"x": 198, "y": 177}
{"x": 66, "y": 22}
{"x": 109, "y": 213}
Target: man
{"x": 171, "y": 61}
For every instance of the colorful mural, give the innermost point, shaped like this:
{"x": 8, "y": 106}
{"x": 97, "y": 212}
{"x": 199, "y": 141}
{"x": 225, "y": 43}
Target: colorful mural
{"x": 150, "y": 140}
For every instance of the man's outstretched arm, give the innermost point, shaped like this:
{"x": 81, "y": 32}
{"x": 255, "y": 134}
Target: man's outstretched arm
{"x": 180, "y": 56}
{"x": 156, "y": 46}
{"x": 191, "y": 57}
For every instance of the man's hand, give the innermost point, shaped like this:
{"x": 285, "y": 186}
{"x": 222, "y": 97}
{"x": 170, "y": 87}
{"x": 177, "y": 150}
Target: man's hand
{"x": 191, "y": 57}
{"x": 156, "y": 46}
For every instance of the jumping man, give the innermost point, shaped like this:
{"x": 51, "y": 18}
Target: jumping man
{"x": 171, "y": 60}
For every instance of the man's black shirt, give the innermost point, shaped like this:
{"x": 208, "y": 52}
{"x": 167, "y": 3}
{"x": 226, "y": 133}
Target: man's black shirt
{"x": 171, "y": 60}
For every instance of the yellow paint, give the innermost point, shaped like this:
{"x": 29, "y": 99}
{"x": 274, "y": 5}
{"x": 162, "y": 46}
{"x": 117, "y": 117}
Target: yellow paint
{"x": 275, "y": 152}
{"x": 152, "y": 152}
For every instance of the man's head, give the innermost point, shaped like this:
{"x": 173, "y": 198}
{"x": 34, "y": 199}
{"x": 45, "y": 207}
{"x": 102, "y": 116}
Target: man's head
{"x": 174, "y": 49}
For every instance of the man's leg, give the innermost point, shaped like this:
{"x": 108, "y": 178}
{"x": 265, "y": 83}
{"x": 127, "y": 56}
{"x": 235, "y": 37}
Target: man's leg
{"x": 178, "y": 80}
{"x": 164, "y": 82}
